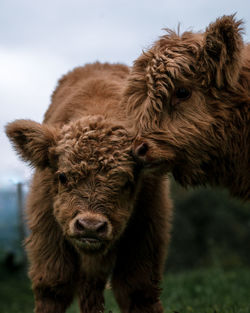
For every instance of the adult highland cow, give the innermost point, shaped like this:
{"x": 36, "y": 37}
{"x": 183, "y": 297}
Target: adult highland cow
{"x": 190, "y": 97}
{"x": 92, "y": 213}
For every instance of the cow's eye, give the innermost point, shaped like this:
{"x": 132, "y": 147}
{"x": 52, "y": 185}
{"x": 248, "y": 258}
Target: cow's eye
{"x": 183, "y": 93}
{"x": 62, "y": 178}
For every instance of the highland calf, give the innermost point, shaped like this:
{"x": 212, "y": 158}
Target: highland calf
{"x": 189, "y": 96}
{"x": 92, "y": 212}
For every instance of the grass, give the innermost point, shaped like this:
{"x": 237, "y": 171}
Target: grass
{"x": 199, "y": 291}
{"x": 207, "y": 291}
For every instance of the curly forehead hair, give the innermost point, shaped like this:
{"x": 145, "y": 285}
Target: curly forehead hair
{"x": 93, "y": 143}
{"x": 155, "y": 73}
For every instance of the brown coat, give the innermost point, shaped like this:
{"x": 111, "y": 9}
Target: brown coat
{"x": 189, "y": 96}
{"x": 92, "y": 212}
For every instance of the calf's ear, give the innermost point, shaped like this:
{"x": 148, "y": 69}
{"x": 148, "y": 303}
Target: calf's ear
{"x": 32, "y": 141}
{"x": 221, "y": 51}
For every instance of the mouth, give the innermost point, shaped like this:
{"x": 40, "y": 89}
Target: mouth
{"x": 88, "y": 244}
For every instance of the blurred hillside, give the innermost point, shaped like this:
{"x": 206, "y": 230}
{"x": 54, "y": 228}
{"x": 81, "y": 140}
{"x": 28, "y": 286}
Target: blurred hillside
{"x": 11, "y": 225}
{"x": 9, "y": 233}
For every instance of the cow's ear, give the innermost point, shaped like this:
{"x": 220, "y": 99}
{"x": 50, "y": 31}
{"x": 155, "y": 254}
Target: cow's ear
{"x": 32, "y": 141}
{"x": 221, "y": 51}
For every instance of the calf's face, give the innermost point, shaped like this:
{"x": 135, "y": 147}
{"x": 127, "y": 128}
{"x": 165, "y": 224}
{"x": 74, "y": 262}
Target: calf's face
{"x": 92, "y": 173}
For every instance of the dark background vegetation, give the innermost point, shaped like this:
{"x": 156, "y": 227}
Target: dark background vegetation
{"x": 210, "y": 228}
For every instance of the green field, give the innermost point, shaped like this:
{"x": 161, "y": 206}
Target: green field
{"x": 199, "y": 291}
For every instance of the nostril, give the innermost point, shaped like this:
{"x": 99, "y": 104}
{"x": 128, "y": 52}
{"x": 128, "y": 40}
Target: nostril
{"x": 80, "y": 225}
{"x": 141, "y": 150}
{"x": 101, "y": 228}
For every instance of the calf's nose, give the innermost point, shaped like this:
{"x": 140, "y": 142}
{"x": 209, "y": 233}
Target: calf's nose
{"x": 88, "y": 226}
{"x": 140, "y": 150}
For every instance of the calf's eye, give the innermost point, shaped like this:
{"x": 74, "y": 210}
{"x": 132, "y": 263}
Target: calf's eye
{"x": 127, "y": 185}
{"x": 182, "y": 93}
{"x": 62, "y": 178}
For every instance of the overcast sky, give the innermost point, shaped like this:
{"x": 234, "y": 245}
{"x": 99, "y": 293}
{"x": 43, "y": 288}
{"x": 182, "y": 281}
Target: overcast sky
{"x": 42, "y": 39}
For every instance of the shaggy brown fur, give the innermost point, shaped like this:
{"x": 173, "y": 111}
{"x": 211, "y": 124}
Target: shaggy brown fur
{"x": 92, "y": 212}
{"x": 190, "y": 97}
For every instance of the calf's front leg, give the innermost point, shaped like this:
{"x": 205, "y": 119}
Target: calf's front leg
{"x": 136, "y": 278}
{"x": 53, "y": 300}
{"x": 91, "y": 299}
{"x": 53, "y": 277}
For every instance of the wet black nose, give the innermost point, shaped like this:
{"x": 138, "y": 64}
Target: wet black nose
{"x": 91, "y": 227}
